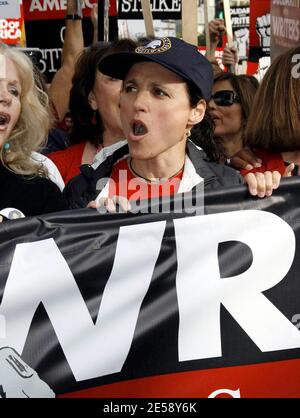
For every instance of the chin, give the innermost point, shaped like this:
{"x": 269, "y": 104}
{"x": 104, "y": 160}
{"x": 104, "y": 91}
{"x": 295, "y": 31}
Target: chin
{"x": 219, "y": 133}
{"x": 140, "y": 154}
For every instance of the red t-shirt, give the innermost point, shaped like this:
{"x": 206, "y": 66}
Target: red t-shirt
{"x": 68, "y": 161}
{"x": 124, "y": 183}
{"x": 271, "y": 161}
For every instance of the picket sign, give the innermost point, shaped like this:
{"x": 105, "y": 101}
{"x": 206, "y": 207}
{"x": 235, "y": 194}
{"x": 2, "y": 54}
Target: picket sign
{"x": 229, "y": 31}
{"x": 190, "y": 21}
{"x": 207, "y": 37}
{"x": 148, "y": 19}
{"x": 10, "y": 9}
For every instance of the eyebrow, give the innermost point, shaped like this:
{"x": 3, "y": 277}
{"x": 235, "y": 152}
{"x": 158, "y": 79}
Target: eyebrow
{"x": 130, "y": 81}
{"x": 14, "y": 82}
{"x": 153, "y": 83}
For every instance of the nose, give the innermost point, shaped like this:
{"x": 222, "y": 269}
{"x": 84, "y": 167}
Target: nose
{"x": 5, "y": 96}
{"x": 141, "y": 102}
{"x": 212, "y": 104}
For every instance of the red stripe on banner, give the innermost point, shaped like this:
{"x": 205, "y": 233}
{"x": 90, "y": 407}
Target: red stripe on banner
{"x": 267, "y": 380}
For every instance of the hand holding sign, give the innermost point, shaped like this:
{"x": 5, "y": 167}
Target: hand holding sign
{"x": 216, "y": 30}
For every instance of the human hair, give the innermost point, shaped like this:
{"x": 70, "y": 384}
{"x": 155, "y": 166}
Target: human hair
{"x": 274, "y": 123}
{"x": 31, "y": 129}
{"x": 246, "y": 87}
{"x": 202, "y": 134}
{"x": 83, "y": 82}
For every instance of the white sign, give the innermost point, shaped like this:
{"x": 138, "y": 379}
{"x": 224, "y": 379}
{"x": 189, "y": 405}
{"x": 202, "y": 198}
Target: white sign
{"x": 10, "y": 9}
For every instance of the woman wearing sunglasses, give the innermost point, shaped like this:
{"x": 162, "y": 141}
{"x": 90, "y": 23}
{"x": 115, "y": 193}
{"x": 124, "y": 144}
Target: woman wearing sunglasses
{"x": 229, "y": 107}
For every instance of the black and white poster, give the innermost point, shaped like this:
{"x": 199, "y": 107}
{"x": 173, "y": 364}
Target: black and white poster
{"x": 161, "y": 9}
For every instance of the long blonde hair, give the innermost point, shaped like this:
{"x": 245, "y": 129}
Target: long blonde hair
{"x": 31, "y": 129}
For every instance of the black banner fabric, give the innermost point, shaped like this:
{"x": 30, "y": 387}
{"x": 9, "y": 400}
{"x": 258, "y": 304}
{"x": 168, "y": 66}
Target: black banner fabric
{"x": 161, "y": 9}
{"x": 154, "y": 305}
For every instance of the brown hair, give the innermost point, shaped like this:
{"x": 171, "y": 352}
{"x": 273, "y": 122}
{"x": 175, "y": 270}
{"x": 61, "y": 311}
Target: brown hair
{"x": 274, "y": 123}
{"x": 246, "y": 87}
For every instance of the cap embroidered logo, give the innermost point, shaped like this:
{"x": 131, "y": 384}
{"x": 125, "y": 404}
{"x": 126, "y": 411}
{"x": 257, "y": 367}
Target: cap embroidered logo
{"x": 155, "y": 47}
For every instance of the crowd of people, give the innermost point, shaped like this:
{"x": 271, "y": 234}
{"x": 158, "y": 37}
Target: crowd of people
{"x": 144, "y": 120}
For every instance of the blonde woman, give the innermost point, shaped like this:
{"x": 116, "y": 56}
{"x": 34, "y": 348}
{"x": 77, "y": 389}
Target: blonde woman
{"x": 24, "y": 122}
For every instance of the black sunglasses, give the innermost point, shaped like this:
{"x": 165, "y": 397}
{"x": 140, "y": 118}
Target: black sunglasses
{"x": 225, "y": 98}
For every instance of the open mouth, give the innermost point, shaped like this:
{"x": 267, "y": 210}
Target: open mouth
{"x": 139, "y": 129}
{"x": 4, "y": 119}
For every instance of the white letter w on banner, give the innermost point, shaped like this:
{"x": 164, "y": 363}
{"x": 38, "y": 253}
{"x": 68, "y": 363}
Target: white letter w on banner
{"x": 40, "y": 274}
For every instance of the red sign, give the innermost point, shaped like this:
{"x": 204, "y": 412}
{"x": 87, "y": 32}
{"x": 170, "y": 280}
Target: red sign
{"x": 51, "y": 9}
{"x": 260, "y": 29}
{"x": 11, "y": 30}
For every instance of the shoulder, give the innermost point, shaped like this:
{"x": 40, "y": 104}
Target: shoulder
{"x": 68, "y": 161}
{"x": 46, "y": 196}
{"x": 214, "y": 174}
{"x": 53, "y": 172}
{"x": 85, "y": 187}
{"x": 31, "y": 195}
{"x": 226, "y": 176}
{"x": 63, "y": 155}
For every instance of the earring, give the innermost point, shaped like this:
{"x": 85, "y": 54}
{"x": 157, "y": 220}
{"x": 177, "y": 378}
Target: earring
{"x": 6, "y": 147}
{"x": 188, "y": 133}
{"x": 94, "y": 119}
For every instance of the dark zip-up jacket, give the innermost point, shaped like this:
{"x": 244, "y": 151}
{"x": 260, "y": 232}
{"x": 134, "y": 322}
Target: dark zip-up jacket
{"x": 83, "y": 188}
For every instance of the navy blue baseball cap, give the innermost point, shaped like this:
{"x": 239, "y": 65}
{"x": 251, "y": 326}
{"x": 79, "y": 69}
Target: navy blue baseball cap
{"x": 172, "y": 53}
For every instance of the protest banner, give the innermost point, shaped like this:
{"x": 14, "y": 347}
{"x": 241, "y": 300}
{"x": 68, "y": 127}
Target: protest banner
{"x": 51, "y": 9}
{"x": 154, "y": 304}
{"x": 260, "y": 29}
{"x": 240, "y": 21}
{"x": 10, "y": 9}
{"x": 161, "y": 9}
{"x": 285, "y": 26}
{"x": 45, "y": 26}
{"x": 12, "y": 31}
{"x": 229, "y": 31}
